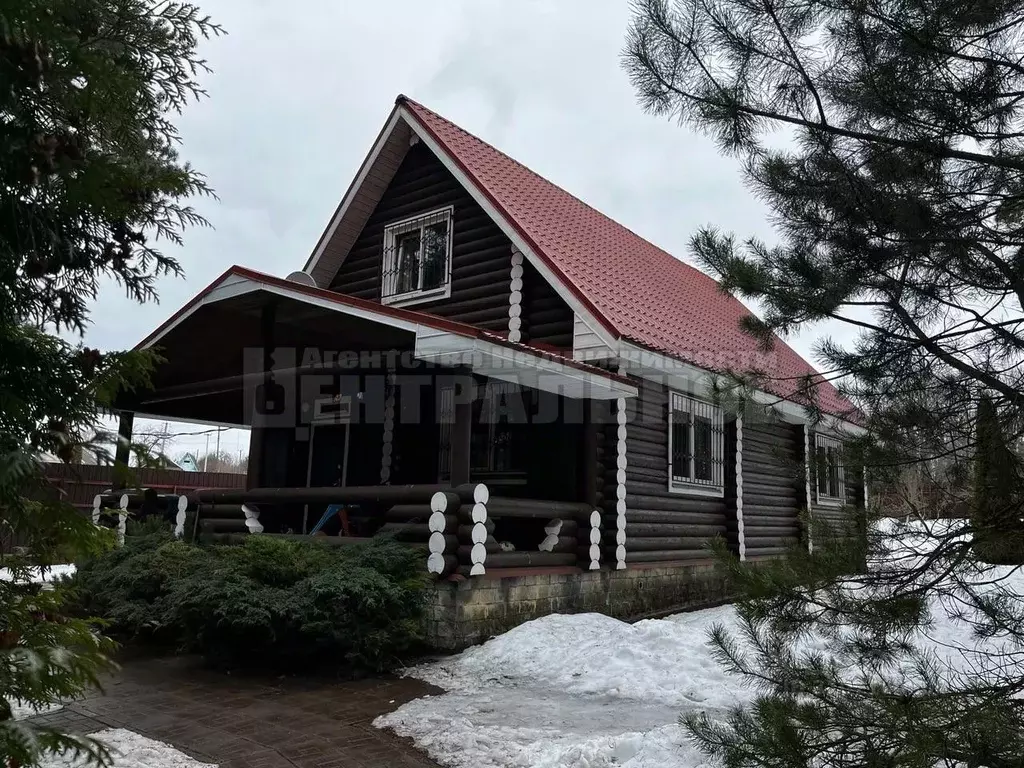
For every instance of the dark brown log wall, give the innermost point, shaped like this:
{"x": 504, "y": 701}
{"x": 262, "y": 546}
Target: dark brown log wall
{"x": 546, "y": 316}
{"x": 774, "y": 487}
{"x": 661, "y": 526}
{"x": 481, "y": 254}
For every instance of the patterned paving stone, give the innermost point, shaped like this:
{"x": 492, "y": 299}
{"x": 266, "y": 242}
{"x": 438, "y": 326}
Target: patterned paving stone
{"x": 251, "y": 723}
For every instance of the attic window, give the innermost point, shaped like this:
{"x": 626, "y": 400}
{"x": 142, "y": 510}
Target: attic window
{"x": 417, "y": 263}
{"x": 696, "y": 446}
{"x": 828, "y": 467}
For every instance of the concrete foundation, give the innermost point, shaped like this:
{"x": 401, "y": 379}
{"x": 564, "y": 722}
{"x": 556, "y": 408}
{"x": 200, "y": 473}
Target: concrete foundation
{"x": 464, "y": 613}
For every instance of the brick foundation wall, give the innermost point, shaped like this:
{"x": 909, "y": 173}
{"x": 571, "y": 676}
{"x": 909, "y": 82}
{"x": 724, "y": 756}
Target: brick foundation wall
{"x": 467, "y": 612}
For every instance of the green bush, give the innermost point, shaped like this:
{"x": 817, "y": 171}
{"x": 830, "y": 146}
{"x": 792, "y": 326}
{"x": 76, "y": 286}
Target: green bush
{"x": 270, "y": 603}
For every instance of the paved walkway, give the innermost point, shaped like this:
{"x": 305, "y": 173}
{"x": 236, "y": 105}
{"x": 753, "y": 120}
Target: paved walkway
{"x": 238, "y": 722}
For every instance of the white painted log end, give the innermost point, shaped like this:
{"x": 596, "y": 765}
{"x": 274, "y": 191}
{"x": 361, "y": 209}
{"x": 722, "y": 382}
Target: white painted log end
{"x": 620, "y": 507}
{"x": 251, "y": 513}
{"x": 517, "y": 257}
{"x": 435, "y": 563}
{"x": 182, "y": 503}
{"x": 478, "y": 554}
{"x": 179, "y": 523}
{"x": 620, "y": 566}
{"x": 438, "y": 502}
{"x": 595, "y": 535}
{"x": 479, "y": 514}
{"x": 620, "y": 435}
{"x": 595, "y": 565}
{"x": 437, "y": 522}
{"x": 620, "y": 553}
{"x": 477, "y": 569}
{"x": 620, "y": 492}
{"x": 479, "y": 533}
{"x": 516, "y": 284}
{"x": 620, "y": 522}
{"x": 123, "y": 501}
{"x": 595, "y": 552}
{"x": 436, "y": 543}
{"x": 620, "y": 537}
{"x": 554, "y": 527}
{"x": 253, "y": 525}
{"x": 481, "y": 495}
{"x": 620, "y": 474}
{"x": 595, "y": 519}
{"x": 548, "y": 545}
{"x": 515, "y": 336}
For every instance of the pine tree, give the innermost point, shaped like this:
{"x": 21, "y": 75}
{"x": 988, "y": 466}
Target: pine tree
{"x": 895, "y": 179}
{"x": 89, "y": 181}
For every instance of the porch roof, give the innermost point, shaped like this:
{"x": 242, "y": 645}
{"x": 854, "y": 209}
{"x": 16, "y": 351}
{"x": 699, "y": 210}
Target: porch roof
{"x": 206, "y": 330}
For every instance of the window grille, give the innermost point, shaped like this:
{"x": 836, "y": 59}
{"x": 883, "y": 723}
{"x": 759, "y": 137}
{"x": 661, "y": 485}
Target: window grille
{"x": 829, "y": 470}
{"x": 696, "y": 444}
{"x": 416, "y": 264}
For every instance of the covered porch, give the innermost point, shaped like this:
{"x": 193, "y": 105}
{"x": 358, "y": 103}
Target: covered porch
{"x": 340, "y": 393}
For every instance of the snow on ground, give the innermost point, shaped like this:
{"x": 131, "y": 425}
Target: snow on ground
{"x": 43, "y": 574}
{"x": 589, "y": 691}
{"x": 132, "y": 751}
{"x": 579, "y": 691}
{"x": 21, "y": 710}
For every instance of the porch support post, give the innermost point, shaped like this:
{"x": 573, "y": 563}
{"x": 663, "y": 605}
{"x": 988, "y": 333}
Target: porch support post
{"x": 254, "y": 468}
{"x": 589, "y": 473}
{"x": 462, "y": 429}
{"x": 123, "y": 450}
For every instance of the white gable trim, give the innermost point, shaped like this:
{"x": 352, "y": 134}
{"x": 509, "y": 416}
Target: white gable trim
{"x": 402, "y": 114}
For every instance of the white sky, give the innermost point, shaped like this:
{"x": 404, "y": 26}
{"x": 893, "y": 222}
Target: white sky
{"x": 300, "y": 90}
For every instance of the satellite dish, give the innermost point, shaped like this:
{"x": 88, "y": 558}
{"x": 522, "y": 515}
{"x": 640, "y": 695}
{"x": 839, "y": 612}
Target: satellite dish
{"x": 302, "y": 278}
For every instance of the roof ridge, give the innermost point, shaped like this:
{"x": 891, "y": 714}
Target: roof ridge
{"x": 403, "y": 99}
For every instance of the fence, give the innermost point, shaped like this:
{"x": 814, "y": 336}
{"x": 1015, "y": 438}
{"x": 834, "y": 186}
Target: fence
{"x": 79, "y": 483}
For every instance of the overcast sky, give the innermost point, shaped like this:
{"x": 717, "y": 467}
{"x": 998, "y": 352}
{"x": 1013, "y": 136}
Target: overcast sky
{"x": 300, "y": 90}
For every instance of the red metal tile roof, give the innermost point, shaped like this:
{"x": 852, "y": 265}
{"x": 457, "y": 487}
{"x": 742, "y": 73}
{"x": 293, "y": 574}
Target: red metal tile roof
{"x": 638, "y": 291}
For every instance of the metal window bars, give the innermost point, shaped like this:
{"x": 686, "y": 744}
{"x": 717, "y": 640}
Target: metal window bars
{"x": 828, "y": 469}
{"x": 696, "y": 443}
{"x": 417, "y": 256}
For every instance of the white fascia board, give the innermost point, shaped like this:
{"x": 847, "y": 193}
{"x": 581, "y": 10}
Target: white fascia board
{"x": 690, "y": 379}
{"x": 518, "y": 367}
{"x": 241, "y": 285}
{"x": 364, "y": 171}
{"x": 506, "y": 227}
{"x": 183, "y": 420}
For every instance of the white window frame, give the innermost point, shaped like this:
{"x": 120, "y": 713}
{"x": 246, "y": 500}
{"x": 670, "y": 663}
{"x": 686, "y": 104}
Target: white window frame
{"x": 684, "y": 403}
{"x": 389, "y": 260}
{"x": 825, "y": 499}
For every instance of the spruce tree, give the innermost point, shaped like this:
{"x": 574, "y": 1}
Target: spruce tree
{"x": 885, "y": 137}
{"x": 90, "y": 182}
{"x": 997, "y": 510}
